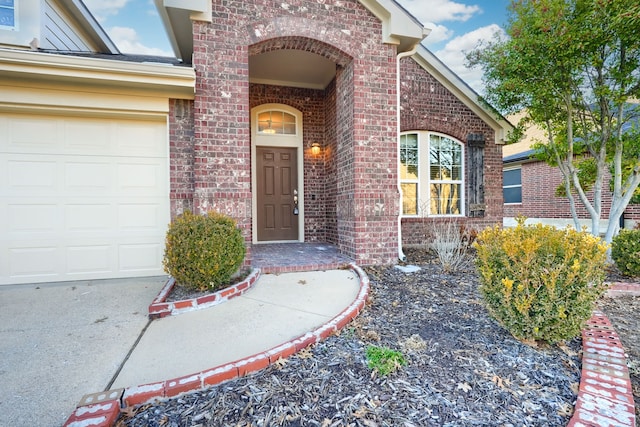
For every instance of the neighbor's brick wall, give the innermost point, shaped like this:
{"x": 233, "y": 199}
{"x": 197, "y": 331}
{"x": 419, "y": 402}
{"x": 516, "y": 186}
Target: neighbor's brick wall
{"x": 539, "y": 183}
{"x": 427, "y": 105}
{"x": 348, "y": 34}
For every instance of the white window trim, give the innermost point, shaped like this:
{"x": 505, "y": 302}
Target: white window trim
{"x": 513, "y": 186}
{"x": 13, "y": 27}
{"x": 424, "y": 180}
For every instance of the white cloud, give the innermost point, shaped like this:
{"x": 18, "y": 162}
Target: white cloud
{"x": 438, "y": 33}
{"x": 440, "y": 10}
{"x": 127, "y": 41}
{"x": 454, "y": 52}
{"x": 101, "y": 9}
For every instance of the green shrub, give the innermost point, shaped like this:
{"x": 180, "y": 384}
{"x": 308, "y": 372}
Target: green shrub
{"x": 384, "y": 360}
{"x": 202, "y": 252}
{"x": 539, "y": 282}
{"x": 625, "y": 251}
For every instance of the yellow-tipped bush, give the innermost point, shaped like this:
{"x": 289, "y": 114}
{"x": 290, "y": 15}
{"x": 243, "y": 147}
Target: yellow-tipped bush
{"x": 202, "y": 252}
{"x": 539, "y": 282}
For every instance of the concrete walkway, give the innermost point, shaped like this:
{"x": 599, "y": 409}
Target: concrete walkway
{"x": 63, "y": 341}
{"x": 276, "y": 310}
{"x": 60, "y": 341}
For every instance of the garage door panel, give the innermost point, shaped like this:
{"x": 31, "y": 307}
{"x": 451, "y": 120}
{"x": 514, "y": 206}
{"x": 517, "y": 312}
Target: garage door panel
{"x": 39, "y": 263}
{"x": 140, "y": 216}
{"x": 86, "y": 259}
{"x": 134, "y": 139}
{"x": 93, "y": 217}
{"x": 36, "y": 174}
{"x": 140, "y": 257}
{"x": 87, "y": 136}
{"x": 32, "y": 218}
{"x": 28, "y": 134}
{"x": 81, "y": 198}
{"x": 139, "y": 178}
{"x": 88, "y": 176}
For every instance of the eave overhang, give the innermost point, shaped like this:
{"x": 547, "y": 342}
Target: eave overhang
{"x": 157, "y": 79}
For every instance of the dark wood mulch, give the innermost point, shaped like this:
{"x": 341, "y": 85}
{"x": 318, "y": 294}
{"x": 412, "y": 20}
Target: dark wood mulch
{"x": 463, "y": 369}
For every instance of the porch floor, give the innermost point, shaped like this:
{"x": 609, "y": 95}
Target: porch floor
{"x": 291, "y": 257}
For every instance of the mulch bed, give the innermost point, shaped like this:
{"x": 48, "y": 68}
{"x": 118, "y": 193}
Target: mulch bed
{"x": 462, "y": 368}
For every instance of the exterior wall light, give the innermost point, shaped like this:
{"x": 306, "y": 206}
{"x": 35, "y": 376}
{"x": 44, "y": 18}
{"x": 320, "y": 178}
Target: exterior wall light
{"x": 315, "y": 148}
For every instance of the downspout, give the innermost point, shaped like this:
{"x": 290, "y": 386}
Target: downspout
{"x": 401, "y": 256}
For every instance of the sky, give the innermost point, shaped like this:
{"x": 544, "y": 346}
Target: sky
{"x": 457, "y": 27}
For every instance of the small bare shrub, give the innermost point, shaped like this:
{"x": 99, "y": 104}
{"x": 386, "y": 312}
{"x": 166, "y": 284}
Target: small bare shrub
{"x": 450, "y": 241}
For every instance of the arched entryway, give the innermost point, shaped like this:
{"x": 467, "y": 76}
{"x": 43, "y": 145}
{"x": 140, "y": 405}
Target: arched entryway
{"x": 313, "y": 83}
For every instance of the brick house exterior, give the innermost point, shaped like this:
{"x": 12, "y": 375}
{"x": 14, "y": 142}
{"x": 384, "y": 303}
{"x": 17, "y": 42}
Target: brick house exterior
{"x": 539, "y": 202}
{"x": 351, "y": 196}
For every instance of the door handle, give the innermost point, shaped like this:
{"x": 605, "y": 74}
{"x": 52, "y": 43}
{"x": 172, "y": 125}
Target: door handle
{"x": 296, "y": 211}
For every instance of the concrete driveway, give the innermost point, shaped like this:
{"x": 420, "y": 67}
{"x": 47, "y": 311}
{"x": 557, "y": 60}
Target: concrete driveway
{"x": 60, "y": 341}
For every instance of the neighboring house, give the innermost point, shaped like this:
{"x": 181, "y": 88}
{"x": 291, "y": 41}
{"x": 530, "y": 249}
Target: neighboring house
{"x": 303, "y": 121}
{"x": 530, "y": 190}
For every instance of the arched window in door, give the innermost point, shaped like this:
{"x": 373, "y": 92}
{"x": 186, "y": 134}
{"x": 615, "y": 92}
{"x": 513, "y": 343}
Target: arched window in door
{"x": 274, "y": 122}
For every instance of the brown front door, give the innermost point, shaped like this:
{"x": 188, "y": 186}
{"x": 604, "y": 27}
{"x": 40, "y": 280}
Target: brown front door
{"x": 277, "y": 181}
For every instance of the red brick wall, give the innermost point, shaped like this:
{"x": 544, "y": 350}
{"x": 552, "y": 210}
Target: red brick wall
{"x": 539, "y": 183}
{"x": 427, "y": 105}
{"x": 354, "y": 179}
{"x": 364, "y": 113}
{"x": 181, "y": 155}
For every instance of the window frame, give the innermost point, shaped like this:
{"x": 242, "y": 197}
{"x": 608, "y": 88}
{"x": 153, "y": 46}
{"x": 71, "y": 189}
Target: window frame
{"x": 14, "y": 10}
{"x": 424, "y": 180}
{"x": 281, "y": 125}
{"x": 509, "y": 169}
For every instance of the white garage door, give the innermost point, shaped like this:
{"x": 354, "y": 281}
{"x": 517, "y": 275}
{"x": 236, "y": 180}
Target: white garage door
{"x": 81, "y": 198}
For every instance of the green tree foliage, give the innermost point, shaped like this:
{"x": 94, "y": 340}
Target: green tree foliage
{"x": 573, "y": 66}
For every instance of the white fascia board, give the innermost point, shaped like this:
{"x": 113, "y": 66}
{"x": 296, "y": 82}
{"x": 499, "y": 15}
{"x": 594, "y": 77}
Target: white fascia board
{"x": 463, "y": 92}
{"x": 399, "y": 27}
{"x": 200, "y": 9}
{"x": 176, "y": 82}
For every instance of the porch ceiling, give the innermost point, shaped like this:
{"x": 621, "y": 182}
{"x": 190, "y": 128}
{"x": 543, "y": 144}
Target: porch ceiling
{"x": 295, "y": 68}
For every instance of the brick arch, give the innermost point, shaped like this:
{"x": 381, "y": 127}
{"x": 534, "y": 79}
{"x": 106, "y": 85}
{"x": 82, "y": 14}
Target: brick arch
{"x": 306, "y": 44}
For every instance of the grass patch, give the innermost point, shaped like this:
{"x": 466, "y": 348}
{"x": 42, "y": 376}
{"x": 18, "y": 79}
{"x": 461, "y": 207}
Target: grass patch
{"x": 384, "y": 360}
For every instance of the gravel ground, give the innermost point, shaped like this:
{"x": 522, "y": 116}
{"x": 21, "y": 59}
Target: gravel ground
{"x": 462, "y": 368}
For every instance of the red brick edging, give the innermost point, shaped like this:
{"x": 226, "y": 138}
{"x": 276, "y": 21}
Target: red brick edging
{"x": 605, "y": 397}
{"x": 102, "y": 409}
{"x": 159, "y": 307}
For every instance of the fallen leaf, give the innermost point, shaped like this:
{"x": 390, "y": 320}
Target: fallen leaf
{"x": 464, "y": 387}
{"x": 565, "y": 410}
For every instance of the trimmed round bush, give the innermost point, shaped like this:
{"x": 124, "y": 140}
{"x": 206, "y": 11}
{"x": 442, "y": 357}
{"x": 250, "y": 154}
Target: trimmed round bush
{"x": 202, "y": 252}
{"x": 539, "y": 282}
{"x": 625, "y": 251}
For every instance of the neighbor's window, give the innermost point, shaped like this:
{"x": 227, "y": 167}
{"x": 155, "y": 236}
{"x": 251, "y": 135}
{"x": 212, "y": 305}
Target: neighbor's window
{"x": 431, "y": 174}
{"x": 276, "y": 122}
{"x": 7, "y": 15}
{"x": 512, "y": 185}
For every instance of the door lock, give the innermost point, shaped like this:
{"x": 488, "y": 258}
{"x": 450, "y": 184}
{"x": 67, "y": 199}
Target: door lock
{"x": 296, "y": 211}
